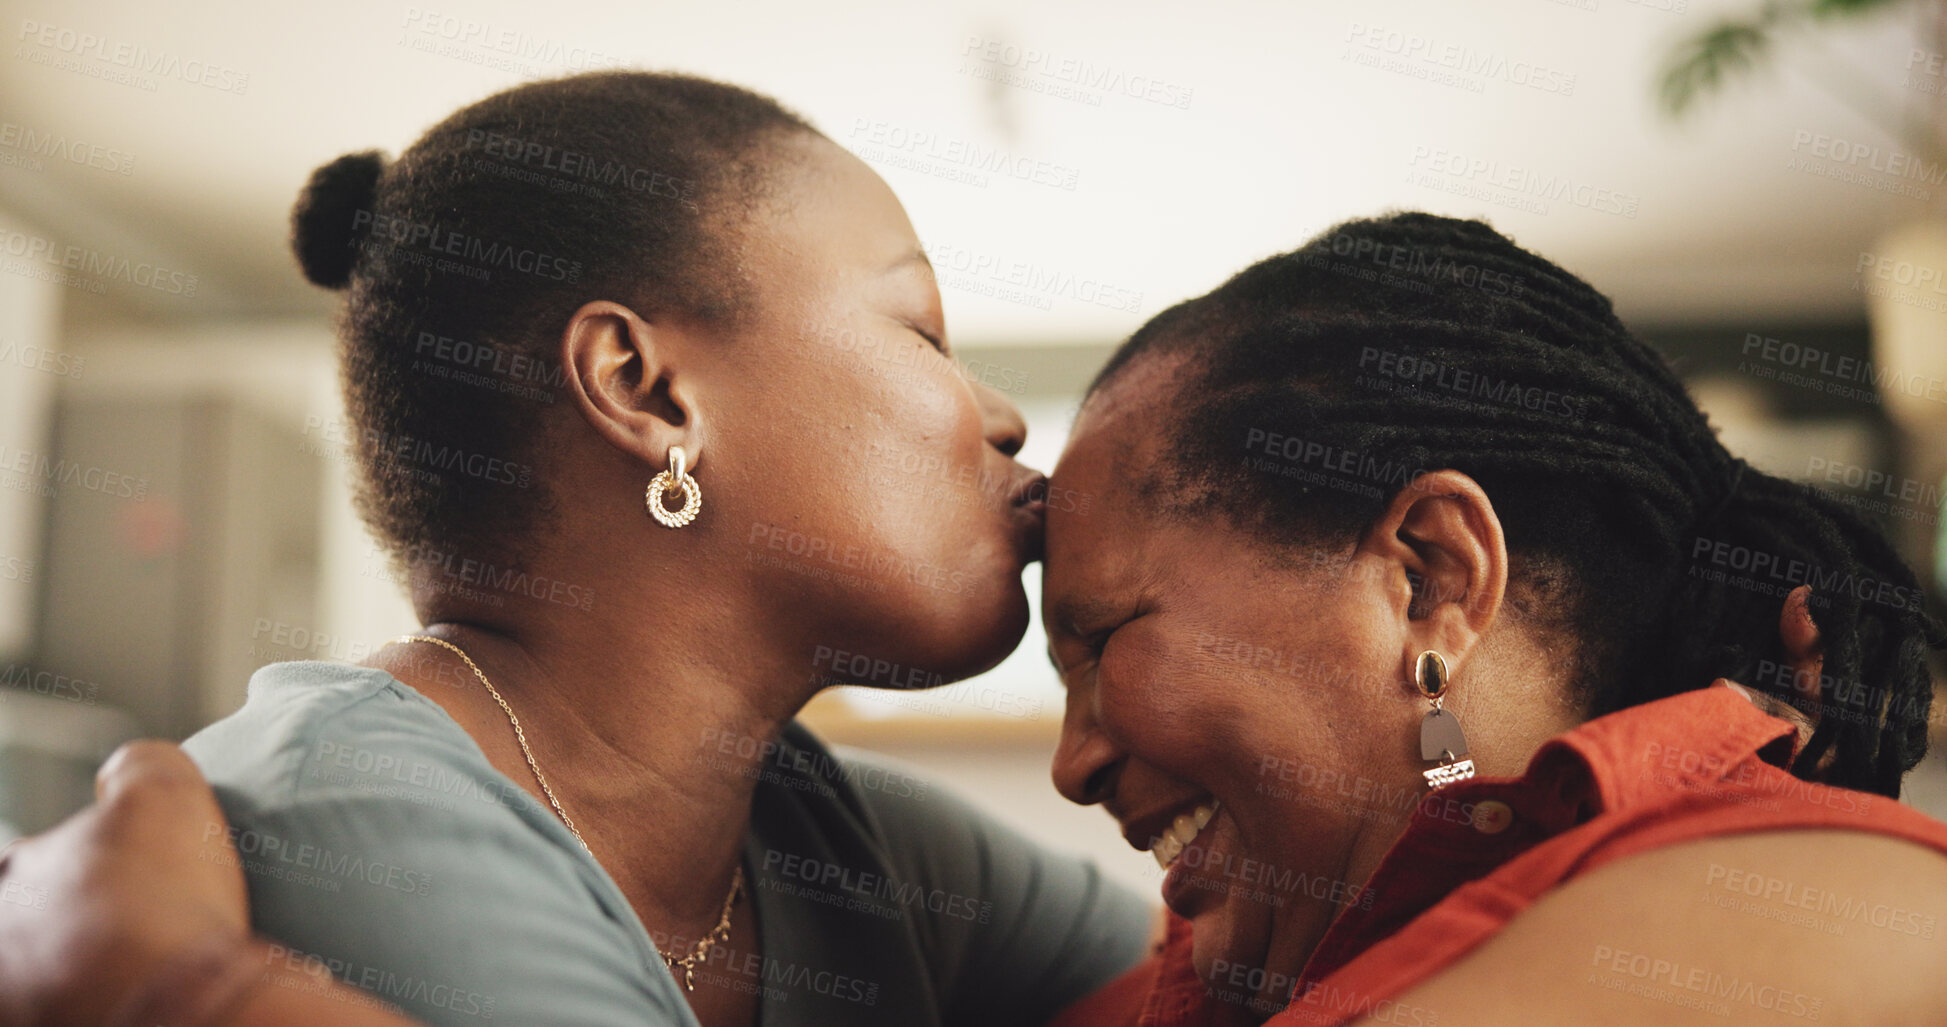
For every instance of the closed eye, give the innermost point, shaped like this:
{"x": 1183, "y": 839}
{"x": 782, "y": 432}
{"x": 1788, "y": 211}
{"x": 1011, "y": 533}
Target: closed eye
{"x": 937, "y": 342}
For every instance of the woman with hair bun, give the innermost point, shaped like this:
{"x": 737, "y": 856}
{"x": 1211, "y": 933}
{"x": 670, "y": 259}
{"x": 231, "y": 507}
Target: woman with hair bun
{"x": 1401, "y": 629}
{"x": 612, "y": 351}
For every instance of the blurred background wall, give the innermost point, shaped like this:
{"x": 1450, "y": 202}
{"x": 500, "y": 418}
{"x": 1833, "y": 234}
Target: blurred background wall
{"x": 173, "y": 509}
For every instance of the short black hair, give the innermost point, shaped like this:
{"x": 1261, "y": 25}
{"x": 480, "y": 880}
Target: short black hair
{"x": 1320, "y": 381}
{"x": 464, "y": 258}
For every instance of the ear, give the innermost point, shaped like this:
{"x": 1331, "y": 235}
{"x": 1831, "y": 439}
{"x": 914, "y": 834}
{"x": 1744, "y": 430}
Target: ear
{"x": 630, "y": 379}
{"x": 1805, "y": 653}
{"x": 1442, "y": 534}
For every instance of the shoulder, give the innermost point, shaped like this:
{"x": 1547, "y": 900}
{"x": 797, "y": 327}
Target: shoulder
{"x": 374, "y": 837}
{"x": 1809, "y": 923}
{"x": 297, "y": 714}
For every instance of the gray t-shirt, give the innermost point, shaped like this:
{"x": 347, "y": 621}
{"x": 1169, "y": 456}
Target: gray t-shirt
{"x": 376, "y": 837}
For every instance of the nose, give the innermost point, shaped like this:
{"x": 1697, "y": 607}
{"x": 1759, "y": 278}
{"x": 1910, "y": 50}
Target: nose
{"x": 1000, "y": 421}
{"x": 1086, "y": 761}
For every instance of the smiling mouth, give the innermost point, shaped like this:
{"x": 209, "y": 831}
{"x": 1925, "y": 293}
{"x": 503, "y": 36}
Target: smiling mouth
{"x": 1181, "y": 832}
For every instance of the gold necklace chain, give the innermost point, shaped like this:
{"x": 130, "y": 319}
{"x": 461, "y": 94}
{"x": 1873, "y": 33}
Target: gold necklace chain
{"x": 720, "y": 934}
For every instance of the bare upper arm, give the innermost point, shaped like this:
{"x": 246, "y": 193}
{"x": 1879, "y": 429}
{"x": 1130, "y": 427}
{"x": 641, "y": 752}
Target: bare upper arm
{"x": 1805, "y": 926}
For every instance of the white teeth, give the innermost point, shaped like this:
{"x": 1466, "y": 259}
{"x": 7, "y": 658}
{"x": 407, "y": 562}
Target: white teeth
{"x": 1181, "y": 832}
{"x": 1166, "y": 850}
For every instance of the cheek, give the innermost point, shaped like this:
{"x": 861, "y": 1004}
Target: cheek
{"x": 1171, "y": 711}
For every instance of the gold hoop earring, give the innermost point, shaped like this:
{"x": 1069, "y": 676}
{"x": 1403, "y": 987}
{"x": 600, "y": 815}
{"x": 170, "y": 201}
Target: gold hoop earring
{"x": 677, "y": 476}
{"x": 1441, "y": 739}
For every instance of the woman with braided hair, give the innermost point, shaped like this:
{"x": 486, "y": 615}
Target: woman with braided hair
{"x": 1410, "y": 501}
{"x": 1401, "y": 631}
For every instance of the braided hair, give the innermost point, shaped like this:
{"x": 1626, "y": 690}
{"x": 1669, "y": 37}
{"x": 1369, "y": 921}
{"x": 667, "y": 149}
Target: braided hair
{"x": 1319, "y": 382}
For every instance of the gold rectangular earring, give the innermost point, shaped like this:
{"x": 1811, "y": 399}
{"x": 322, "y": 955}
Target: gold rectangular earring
{"x": 1440, "y": 736}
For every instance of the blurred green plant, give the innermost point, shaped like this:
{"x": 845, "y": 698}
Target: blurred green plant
{"x": 1703, "y": 64}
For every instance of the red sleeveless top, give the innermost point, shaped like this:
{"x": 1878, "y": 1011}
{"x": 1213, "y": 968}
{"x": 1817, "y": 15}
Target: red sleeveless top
{"x": 1476, "y": 853}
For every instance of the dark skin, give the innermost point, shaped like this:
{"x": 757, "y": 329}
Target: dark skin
{"x": 113, "y": 925}
{"x": 1148, "y": 734}
{"x": 793, "y": 436}
{"x": 829, "y": 431}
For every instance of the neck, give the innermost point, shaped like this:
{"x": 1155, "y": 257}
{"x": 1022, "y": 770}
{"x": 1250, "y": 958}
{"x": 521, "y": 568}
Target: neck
{"x": 638, "y": 732}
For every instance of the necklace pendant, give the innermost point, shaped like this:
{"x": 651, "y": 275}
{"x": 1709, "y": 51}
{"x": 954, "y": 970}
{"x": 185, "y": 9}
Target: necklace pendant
{"x": 689, "y": 978}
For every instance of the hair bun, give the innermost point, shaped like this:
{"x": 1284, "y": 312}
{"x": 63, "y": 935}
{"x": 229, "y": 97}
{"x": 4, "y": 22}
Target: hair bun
{"x": 323, "y": 232}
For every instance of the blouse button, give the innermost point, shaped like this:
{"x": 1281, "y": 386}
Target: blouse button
{"x": 1492, "y": 817}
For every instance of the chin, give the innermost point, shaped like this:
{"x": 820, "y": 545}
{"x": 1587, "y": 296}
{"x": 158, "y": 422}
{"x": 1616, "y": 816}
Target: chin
{"x": 972, "y": 632}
